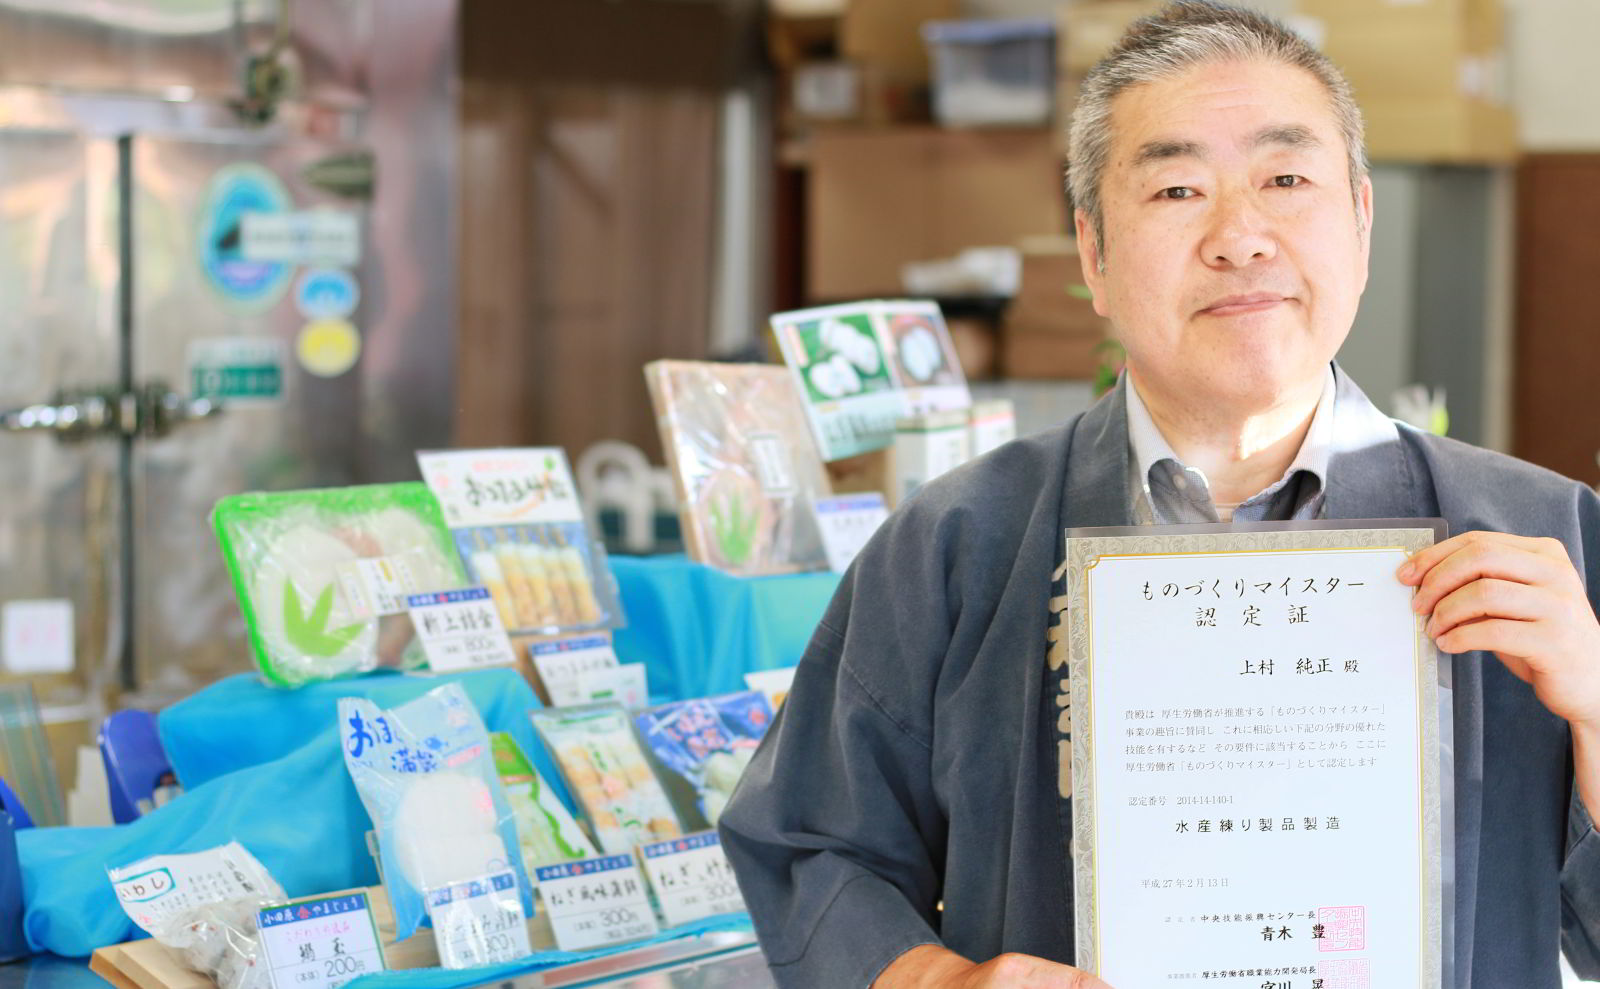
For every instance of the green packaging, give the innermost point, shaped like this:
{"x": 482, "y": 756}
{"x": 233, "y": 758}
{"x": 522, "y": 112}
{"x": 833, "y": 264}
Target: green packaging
{"x": 547, "y": 833}
{"x": 322, "y": 575}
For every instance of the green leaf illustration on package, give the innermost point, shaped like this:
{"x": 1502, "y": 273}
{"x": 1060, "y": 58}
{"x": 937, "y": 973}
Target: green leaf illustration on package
{"x": 734, "y": 528}
{"x": 311, "y": 634}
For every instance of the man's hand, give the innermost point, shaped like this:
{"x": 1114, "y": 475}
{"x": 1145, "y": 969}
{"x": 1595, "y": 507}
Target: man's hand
{"x": 929, "y": 966}
{"x": 1522, "y": 600}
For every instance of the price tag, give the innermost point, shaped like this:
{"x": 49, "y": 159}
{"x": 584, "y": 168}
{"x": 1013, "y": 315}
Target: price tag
{"x": 692, "y": 878}
{"x": 628, "y": 685}
{"x": 596, "y": 902}
{"x": 460, "y": 630}
{"x": 479, "y": 922}
{"x": 36, "y": 636}
{"x": 377, "y": 586}
{"x": 320, "y": 944}
{"x": 562, "y": 662}
{"x": 847, "y": 523}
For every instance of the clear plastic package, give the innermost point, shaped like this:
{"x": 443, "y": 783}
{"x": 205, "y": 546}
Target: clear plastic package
{"x": 708, "y": 742}
{"x": 604, "y": 766}
{"x": 547, "y": 832}
{"x": 322, "y": 575}
{"x": 745, "y": 464}
{"x": 204, "y": 905}
{"x": 426, "y": 775}
{"x": 994, "y": 73}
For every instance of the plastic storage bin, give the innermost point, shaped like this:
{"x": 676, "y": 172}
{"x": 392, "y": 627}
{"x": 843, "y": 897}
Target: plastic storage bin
{"x": 992, "y": 73}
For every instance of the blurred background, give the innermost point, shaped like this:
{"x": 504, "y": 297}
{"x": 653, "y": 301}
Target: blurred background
{"x": 266, "y": 244}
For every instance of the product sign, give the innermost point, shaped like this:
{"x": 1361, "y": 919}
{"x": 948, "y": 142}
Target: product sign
{"x": 561, "y": 663}
{"x": 460, "y": 630}
{"x": 596, "y": 902}
{"x": 479, "y": 922}
{"x": 320, "y": 944}
{"x": 239, "y": 370}
{"x": 847, "y": 522}
{"x": 318, "y": 236}
{"x": 502, "y": 487}
{"x": 692, "y": 878}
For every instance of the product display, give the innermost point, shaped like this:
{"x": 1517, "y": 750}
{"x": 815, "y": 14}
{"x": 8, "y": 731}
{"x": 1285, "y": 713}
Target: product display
{"x": 204, "y": 906}
{"x": 605, "y": 768}
{"x": 861, "y": 367}
{"x": 744, "y": 462}
{"x": 546, "y": 831}
{"x": 322, "y": 575}
{"x": 520, "y": 529}
{"x": 427, "y": 778}
{"x": 708, "y": 742}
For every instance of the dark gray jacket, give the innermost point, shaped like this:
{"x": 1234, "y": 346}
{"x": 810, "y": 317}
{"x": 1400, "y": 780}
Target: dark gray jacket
{"x": 914, "y": 762}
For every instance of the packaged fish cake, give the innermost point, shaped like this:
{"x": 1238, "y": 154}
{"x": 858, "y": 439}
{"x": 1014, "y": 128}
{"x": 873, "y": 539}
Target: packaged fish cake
{"x": 598, "y": 754}
{"x": 546, "y": 830}
{"x": 708, "y": 742}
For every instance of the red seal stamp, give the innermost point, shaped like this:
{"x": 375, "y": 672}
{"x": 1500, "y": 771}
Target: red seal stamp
{"x": 1343, "y": 928}
{"x": 1345, "y": 973}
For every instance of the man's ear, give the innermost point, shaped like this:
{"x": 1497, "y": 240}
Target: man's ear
{"x": 1089, "y": 259}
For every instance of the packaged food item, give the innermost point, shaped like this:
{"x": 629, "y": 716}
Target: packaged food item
{"x": 605, "y": 768}
{"x": 708, "y": 742}
{"x": 322, "y": 576}
{"x": 518, "y": 524}
{"x": 545, "y": 829}
{"x": 745, "y": 465}
{"x": 204, "y": 906}
{"x": 426, "y": 775}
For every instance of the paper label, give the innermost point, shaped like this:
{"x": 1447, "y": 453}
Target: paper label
{"x": 563, "y": 662}
{"x": 692, "y": 878}
{"x": 479, "y": 922}
{"x": 627, "y": 684}
{"x": 502, "y": 487}
{"x": 320, "y": 944}
{"x": 847, "y": 523}
{"x": 153, "y": 889}
{"x": 376, "y": 586}
{"x": 460, "y": 630}
{"x": 36, "y": 636}
{"x": 320, "y": 236}
{"x": 596, "y": 902}
{"x": 771, "y": 461}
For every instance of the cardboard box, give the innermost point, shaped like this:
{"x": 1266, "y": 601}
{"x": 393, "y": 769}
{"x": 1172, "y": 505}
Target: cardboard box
{"x": 1087, "y": 31}
{"x": 1051, "y": 329}
{"x": 881, "y": 198}
{"x": 1455, "y": 130}
{"x": 888, "y": 34}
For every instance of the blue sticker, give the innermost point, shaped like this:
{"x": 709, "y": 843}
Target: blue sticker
{"x": 327, "y": 293}
{"x": 235, "y": 191}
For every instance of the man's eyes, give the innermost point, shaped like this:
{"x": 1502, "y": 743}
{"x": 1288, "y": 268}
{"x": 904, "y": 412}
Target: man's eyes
{"x": 1288, "y": 181}
{"x": 1188, "y": 192}
{"x": 1176, "y": 192}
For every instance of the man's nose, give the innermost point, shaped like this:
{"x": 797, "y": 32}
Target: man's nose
{"x": 1239, "y": 234}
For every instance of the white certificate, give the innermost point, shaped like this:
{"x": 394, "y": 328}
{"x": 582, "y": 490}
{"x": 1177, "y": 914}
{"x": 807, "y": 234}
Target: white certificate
{"x": 1255, "y": 758}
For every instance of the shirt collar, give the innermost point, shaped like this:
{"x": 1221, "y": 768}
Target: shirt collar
{"x": 1150, "y": 448}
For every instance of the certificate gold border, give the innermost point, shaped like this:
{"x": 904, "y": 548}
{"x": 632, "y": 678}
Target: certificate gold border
{"x": 1085, "y": 550}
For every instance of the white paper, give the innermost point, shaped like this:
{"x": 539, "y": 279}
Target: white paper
{"x": 460, "y": 630}
{"x": 502, "y": 486}
{"x": 847, "y": 522}
{"x": 1258, "y": 769}
{"x": 596, "y": 902}
{"x": 562, "y": 662}
{"x": 479, "y": 922}
{"x": 692, "y": 878}
{"x": 36, "y": 636}
{"x": 627, "y": 684}
{"x": 320, "y": 944}
{"x": 320, "y": 236}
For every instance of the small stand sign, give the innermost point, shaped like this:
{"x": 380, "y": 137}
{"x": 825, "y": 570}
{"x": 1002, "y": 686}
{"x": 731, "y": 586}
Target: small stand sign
{"x": 692, "y": 878}
{"x": 479, "y": 922}
{"x": 460, "y": 630}
{"x": 596, "y": 902}
{"x": 320, "y": 944}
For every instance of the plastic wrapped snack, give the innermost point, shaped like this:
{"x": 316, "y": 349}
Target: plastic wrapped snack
{"x": 708, "y": 742}
{"x": 204, "y": 906}
{"x": 745, "y": 465}
{"x": 606, "y": 769}
{"x": 322, "y": 575}
{"x": 427, "y": 777}
{"x": 545, "y": 829}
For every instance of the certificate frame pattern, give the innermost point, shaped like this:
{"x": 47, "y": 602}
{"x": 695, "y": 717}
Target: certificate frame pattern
{"x": 1085, "y": 547}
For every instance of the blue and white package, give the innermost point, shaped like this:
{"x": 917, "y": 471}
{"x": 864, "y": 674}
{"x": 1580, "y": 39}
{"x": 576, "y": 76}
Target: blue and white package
{"x": 426, "y": 775}
{"x": 708, "y": 741}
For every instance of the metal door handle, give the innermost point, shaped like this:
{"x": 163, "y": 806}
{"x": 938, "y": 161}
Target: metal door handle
{"x": 154, "y": 410}
{"x": 70, "y": 418}
{"x": 163, "y": 409}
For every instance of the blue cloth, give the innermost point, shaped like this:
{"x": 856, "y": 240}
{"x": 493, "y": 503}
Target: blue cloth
{"x": 295, "y": 808}
{"x": 699, "y": 631}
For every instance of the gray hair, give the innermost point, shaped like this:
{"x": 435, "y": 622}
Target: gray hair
{"x": 1181, "y": 35}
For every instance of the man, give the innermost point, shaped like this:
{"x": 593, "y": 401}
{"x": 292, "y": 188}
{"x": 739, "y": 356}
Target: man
{"x": 906, "y": 822}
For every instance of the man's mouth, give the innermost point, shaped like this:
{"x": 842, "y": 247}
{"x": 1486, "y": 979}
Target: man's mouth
{"x": 1238, "y": 305}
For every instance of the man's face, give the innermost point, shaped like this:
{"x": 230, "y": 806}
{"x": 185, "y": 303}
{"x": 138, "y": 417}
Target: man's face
{"x": 1234, "y": 260}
